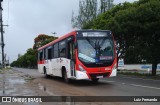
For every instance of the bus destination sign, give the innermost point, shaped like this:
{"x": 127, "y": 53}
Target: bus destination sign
{"x": 94, "y": 34}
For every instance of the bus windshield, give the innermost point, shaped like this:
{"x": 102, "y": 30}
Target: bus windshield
{"x": 95, "y": 49}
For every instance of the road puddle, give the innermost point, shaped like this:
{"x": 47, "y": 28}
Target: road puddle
{"x": 11, "y": 83}
{"x": 16, "y": 81}
{"x": 45, "y": 89}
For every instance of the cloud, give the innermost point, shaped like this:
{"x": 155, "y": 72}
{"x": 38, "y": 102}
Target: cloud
{"x": 28, "y": 18}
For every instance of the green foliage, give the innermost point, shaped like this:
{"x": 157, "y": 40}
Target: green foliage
{"x": 48, "y": 40}
{"x": 115, "y": 20}
{"x": 42, "y": 39}
{"x": 29, "y": 59}
{"x": 136, "y": 30}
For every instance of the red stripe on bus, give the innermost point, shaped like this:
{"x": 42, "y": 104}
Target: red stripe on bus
{"x": 41, "y": 62}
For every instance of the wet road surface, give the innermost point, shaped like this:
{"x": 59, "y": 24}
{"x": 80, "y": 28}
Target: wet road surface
{"x": 24, "y": 82}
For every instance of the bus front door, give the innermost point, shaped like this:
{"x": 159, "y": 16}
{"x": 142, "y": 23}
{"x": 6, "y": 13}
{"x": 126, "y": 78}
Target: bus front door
{"x": 71, "y": 57}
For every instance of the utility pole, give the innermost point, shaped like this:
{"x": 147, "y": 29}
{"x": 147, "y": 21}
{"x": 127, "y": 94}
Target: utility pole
{"x": 2, "y": 44}
{"x": 2, "y": 38}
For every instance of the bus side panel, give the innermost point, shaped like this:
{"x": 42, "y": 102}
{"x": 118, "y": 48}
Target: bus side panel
{"x": 40, "y": 68}
{"x": 114, "y": 68}
{"x": 55, "y": 67}
{"x": 64, "y": 62}
{"x": 114, "y": 73}
{"x": 81, "y": 75}
{"x": 48, "y": 65}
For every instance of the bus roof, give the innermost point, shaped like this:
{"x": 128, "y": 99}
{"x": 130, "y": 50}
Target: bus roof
{"x": 67, "y": 35}
{"x": 54, "y": 41}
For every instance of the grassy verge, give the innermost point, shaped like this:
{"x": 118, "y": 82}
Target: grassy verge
{"x": 134, "y": 73}
{"x": 3, "y": 69}
{"x": 139, "y": 74}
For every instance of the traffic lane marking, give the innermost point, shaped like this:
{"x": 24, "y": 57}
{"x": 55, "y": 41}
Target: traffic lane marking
{"x": 145, "y": 86}
{"x": 141, "y": 78}
{"x": 137, "y": 85}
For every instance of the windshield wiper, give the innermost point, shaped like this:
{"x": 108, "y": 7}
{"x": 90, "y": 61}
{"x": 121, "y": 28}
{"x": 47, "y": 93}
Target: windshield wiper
{"x": 103, "y": 41}
{"x": 97, "y": 45}
{"x": 90, "y": 43}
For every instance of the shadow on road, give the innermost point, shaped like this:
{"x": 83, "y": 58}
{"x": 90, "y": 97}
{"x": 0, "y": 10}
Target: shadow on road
{"x": 78, "y": 82}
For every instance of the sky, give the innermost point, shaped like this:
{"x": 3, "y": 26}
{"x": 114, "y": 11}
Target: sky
{"x": 29, "y": 18}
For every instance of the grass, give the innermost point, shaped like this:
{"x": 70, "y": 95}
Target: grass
{"x": 3, "y": 69}
{"x": 0, "y": 71}
{"x": 134, "y": 73}
{"x": 138, "y": 74}
{"x": 7, "y": 68}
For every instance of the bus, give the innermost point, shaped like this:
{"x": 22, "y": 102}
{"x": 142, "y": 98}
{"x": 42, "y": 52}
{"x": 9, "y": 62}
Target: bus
{"x": 80, "y": 55}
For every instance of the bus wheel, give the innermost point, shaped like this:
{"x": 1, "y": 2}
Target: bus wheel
{"x": 66, "y": 79}
{"x": 45, "y": 73}
{"x": 95, "y": 80}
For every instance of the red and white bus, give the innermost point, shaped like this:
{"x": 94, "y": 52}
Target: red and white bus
{"x": 81, "y": 54}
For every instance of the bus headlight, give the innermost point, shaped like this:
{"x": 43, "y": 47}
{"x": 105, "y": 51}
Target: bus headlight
{"x": 81, "y": 68}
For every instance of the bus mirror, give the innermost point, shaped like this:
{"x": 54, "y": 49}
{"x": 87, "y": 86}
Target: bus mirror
{"x": 75, "y": 45}
{"x": 70, "y": 39}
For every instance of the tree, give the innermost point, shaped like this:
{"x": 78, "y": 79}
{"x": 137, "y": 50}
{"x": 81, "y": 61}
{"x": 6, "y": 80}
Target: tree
{"x": 136, "y": 30}
{"x": 87, "y": 12}
{"x": 29, "y": 59}
{"x": 42, "y": 39}
{"x": 105, "y": 5}
{"x": 148, "y": 15}
{"x": 112, "y": 20}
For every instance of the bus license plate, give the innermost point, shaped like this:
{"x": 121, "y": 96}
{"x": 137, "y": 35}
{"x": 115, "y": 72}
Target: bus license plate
{"x": 99, "y": 76}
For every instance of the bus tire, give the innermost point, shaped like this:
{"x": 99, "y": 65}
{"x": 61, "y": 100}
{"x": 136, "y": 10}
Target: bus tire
{"x": 65, "y": 78}
{"x": 95, "y": 80}
{"x": 45, "y": 73}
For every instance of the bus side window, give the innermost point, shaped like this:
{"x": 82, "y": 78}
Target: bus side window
{"x": 70, "y": 50}
{"x": 50, "y": 53}
{"x": 44, "y": 53}
{"x": 40, "y": 56}
{"x": 62, "y": 48}
{"x": 56, "y": 52}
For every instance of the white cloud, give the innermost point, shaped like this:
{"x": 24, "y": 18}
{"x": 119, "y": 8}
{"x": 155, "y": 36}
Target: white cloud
{"x": 28, "y": 18}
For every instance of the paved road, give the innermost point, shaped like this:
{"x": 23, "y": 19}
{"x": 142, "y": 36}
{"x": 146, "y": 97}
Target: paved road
{"x": 117, "y": 86}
